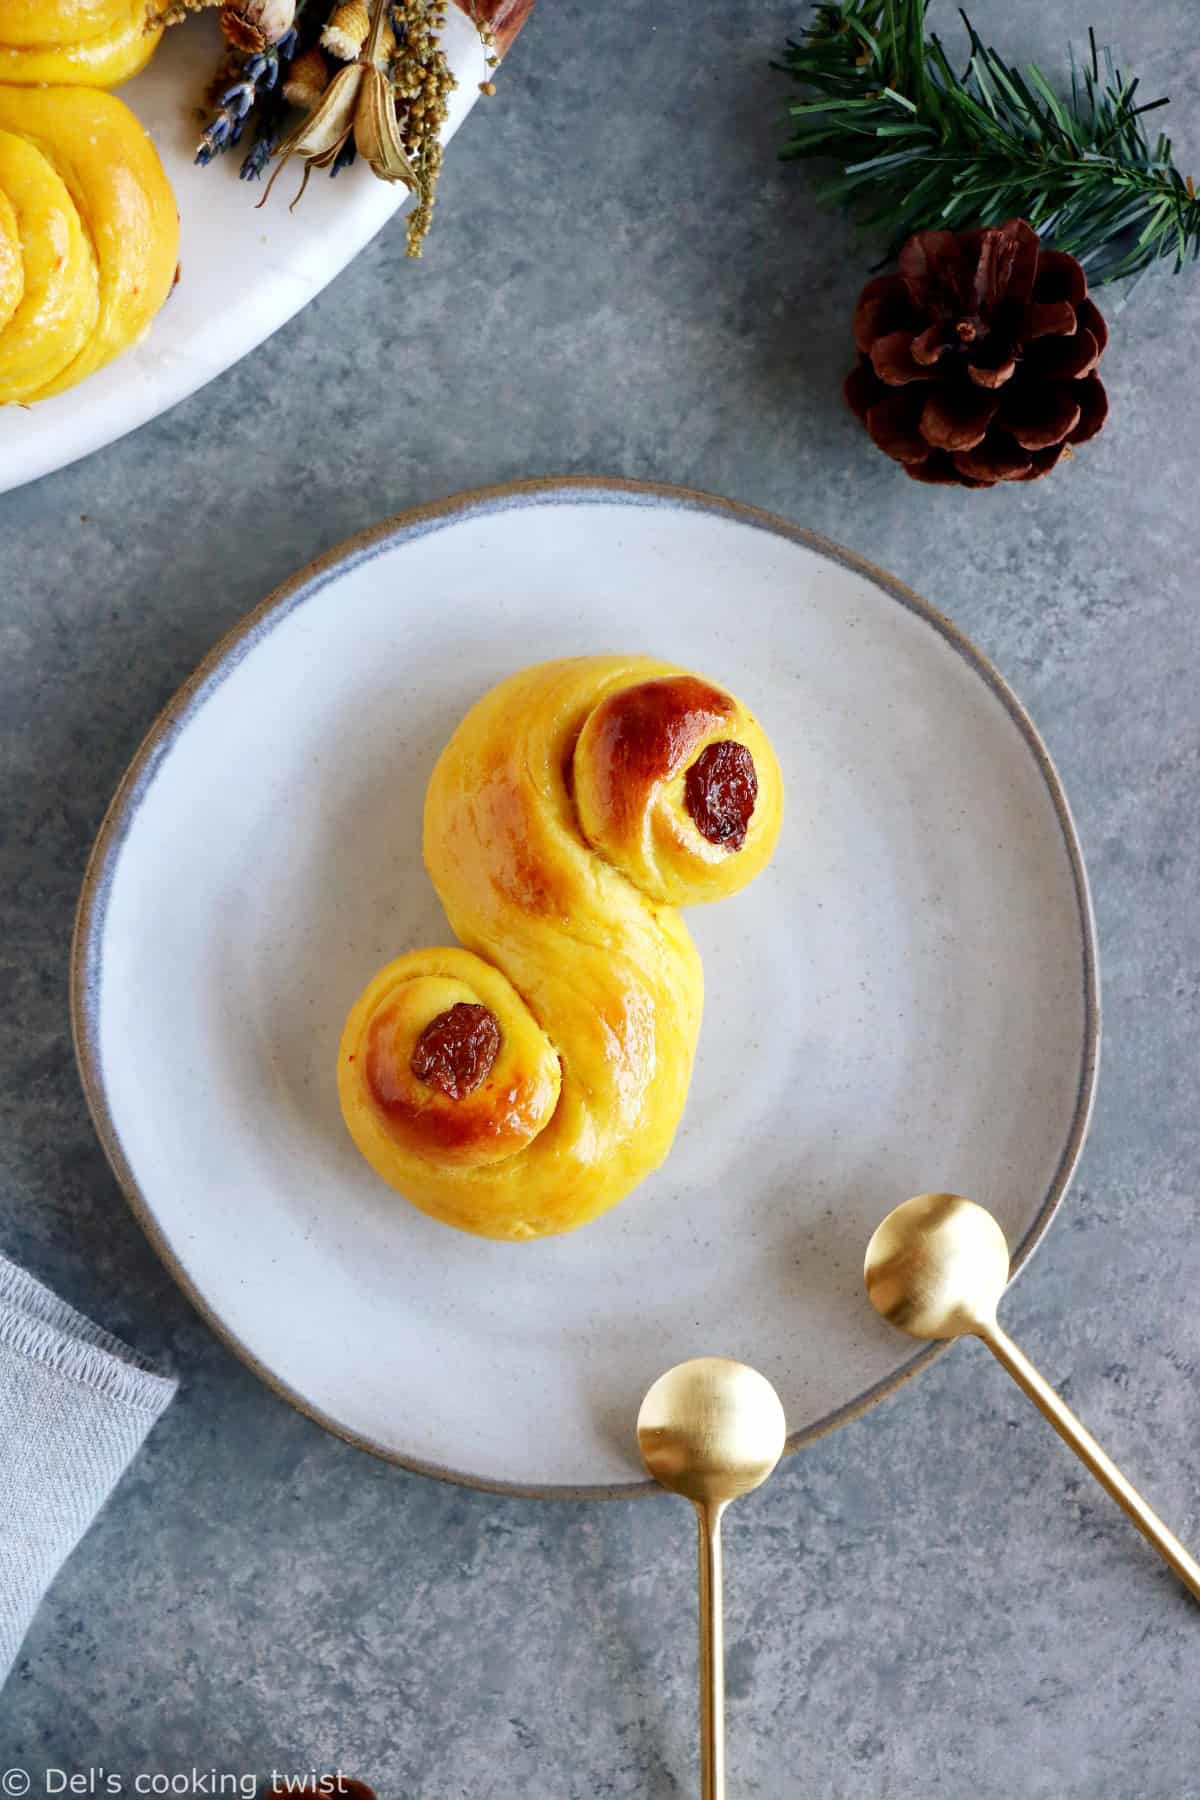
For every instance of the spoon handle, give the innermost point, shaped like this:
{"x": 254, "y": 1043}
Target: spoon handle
{"x": 712, "y": 1655}
{"x": 1093, "y": 1457}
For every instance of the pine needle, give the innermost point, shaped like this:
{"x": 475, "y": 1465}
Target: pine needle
{"x": 919, "y": 144}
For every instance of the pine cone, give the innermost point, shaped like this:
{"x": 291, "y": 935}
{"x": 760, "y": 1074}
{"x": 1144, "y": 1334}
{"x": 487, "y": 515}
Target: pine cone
{"x": 977, "y": 361}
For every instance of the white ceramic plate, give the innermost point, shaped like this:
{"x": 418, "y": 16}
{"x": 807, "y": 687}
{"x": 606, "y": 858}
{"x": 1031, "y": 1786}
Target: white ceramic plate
{"x": 243, "y": 273}
{"x": 905, "y": 1000}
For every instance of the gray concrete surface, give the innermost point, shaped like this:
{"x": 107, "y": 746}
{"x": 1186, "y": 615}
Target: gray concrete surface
{"x": 933, "y": 1601}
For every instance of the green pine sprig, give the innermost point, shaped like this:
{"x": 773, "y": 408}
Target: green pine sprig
{"x": 920, "y": 145}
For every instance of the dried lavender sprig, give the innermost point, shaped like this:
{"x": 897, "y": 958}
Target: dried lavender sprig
{"x": 259, "y": 76}
{"x": 268, "y": 136}
{"x": 344, "y": 158}
{"x": 266, "y": 143}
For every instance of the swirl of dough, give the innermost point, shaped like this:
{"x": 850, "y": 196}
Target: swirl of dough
{"x": 525, "y": 1083}
{"x": 80, "y": 43}
{"x": 89, "y": 236}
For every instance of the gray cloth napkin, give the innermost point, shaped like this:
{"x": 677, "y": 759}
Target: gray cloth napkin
{"x": 75, "y": 1407}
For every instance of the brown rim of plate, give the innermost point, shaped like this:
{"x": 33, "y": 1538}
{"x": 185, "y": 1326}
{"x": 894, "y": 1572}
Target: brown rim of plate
{"x": 304, "y": 586}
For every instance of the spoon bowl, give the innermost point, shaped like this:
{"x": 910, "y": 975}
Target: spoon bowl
{"x": 937, "y": 1267}
{"x": 711, "y": 1430}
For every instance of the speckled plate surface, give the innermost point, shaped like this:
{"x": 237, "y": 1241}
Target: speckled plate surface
{"x": 906, "y": 1000}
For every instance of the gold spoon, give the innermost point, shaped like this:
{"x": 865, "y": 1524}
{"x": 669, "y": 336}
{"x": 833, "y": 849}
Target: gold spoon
{"x": 711, "y": 1430}
{"x": 937, "y": 1267}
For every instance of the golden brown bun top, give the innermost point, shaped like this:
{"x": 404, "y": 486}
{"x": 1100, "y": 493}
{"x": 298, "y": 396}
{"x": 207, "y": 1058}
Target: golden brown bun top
{"x": 676, "y": 784}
